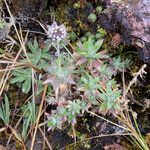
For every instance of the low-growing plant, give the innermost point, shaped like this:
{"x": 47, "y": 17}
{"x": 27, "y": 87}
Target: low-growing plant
{"x": 24, "y": 77}
{"x": 82, "y": 81}
{"x": 39, "y": 58}
{"x": 90, "y": 86}
{"x": 106, "y": 72}
{"x": 89, "y": 49}
{"x": 66, "y": 113}
{"x": 118, "y": 64}
{"x": 92, "y": 17}
{"x": 97, "y": 85}
{"x": 89, "y": 52}
{"x": 110, "y": 96}
{"x": 60, "y": 72}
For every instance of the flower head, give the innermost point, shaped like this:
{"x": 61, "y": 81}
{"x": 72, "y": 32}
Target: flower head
{"x": 56, "y": 33}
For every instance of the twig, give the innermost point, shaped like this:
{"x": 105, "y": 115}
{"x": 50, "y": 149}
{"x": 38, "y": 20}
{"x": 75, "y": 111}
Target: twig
{"x": 47, "y": 142}
{"x": 133, "y": 81}
{"x": 95, "y": 137}
{"x": 115, "y": 124}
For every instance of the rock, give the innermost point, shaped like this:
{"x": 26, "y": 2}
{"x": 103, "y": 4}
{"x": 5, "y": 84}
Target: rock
{"x": 131, "y": 20}
{"x": 24, "y": 10}
{"x": 27, "y": 8}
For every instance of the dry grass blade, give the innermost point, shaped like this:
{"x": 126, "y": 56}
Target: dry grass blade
{"x": 10, "y": 62}
{"x": 74, "y": 133}
{"x": 21, "y": 40}
{"x": 2, "y": 129}
{"x": 17, "y": 124}
{"x": 136, "y": 135}
{"x": 20, "y": 36}
{"x": 39, "y": 115}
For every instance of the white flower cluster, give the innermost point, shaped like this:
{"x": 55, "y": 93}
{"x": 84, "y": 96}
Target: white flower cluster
{"x": 56, "y": 33}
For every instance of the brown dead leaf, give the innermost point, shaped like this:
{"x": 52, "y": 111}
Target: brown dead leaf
{"x": 63, "y": 87}
{"x": 62, "y": 102}
{"x": 81, "y": 61}
{"x": 116, "y": 40}
{"x": 97, "y": 63}
{"x": 103, "y": 84}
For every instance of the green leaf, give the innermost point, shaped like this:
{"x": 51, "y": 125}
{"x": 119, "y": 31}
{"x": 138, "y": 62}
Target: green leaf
{"x": 17, "y": 79}
{"x": 98, "y": 45}
{"x": 89, "y": 48}
{"x": 103, "y": 106}
{"x": 31, "y": 47}
{"x": 1, "y": 51}
{"x": 32, "y": 109}
{"x": 116, "y": 106}
{"x": 103, "y": 97}
{"x": 109, "y": 105}
{"x": 26, "y": 86}
{"x": 38, "y": 55}
{"x": 7, "y": 109}
{"x": 47, "y": 48}
{"x": 26, "y": 123}
{"x": 46, "y": 56}
{"x": 36, "y": 46}
{"x": 1, "y": 114}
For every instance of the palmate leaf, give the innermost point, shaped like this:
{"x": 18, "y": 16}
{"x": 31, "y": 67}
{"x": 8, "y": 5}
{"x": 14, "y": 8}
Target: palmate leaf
{"x": 22, "y": 76}
{"x": 38, "y": 56}
{"x": 33, "y": 47}
{"x": 60, "y": 71}
{"x": 110, "y": 96}
{"x": 119, "y": 65}
{"x": 110, "y": 105}
{"x": 66, "y": 113}
{"x": 106, "y": 72}
{"x": 89, "y": 48}
{"x": 90, "y": 82}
